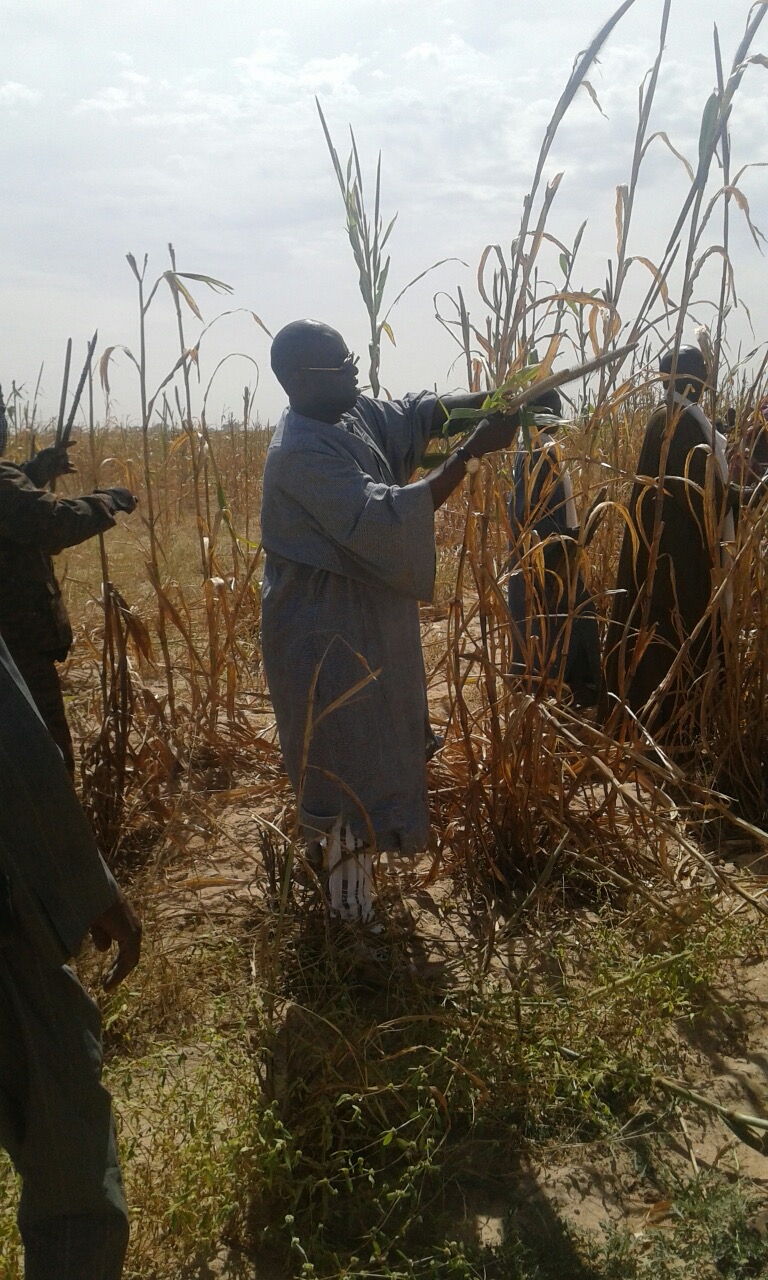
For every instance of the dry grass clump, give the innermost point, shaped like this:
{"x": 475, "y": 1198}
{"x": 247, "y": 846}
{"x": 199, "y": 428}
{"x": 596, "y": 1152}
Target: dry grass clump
{"x": 525, "y": 773}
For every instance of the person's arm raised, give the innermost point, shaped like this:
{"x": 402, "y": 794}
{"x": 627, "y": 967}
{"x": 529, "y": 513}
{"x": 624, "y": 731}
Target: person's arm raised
{"x": 494, "y": 432}
{"x": 446, "y": 405}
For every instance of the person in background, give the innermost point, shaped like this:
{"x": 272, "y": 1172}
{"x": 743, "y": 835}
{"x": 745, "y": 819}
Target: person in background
{"x": 35, "y": 525}
{"x": 681, "y": 521}
{"x": 554, "y": 622}
{"x": 55, "y": 1117}
{"x": 350, "y": 552}
{"x": 748, "y": 461}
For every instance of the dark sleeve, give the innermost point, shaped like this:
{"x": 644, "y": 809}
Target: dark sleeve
{"x": 37, "y": 518}
{"x": 29, "y": 468}
{"x": 692, "y": 476}
{"x": 517, "y": 495}
{"x": 538, "y": 499}
{"x": 548, "y": 504}
{"x": 58, "y": 882}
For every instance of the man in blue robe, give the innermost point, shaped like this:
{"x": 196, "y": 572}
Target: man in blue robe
{"x": 350, "y": 552}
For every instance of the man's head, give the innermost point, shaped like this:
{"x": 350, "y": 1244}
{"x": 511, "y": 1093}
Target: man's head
{"x": 315, "y": 367}
{"x": 690, "y": 372}
{"x": 547, "y": 405}
{"x": 548, "y": 402}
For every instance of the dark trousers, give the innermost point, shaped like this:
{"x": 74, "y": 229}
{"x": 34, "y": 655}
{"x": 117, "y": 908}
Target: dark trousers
{"x": 540, "y": 608}
{"x": 41, "y": 677}
{"x": 56, "y": 1122}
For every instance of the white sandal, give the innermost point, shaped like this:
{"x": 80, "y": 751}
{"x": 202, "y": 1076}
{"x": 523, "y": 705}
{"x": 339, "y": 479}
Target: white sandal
{"x": 350, "y": 876}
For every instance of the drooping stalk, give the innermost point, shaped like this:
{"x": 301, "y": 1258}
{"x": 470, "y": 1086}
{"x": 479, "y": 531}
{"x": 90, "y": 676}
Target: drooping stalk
{"x": 204, "y": 525}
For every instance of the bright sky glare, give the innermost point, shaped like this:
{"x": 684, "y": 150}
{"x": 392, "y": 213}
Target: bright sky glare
{"x": 126, "y": 127}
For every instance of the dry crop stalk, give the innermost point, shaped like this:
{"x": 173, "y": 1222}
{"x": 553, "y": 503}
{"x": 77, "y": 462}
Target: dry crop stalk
{"x": 368, "y": 239}
{"x": 154, "y": 560}
{"x": 247, "y": 404}
{"x": 103, "y": 765}
{"x": 203, "y": 522}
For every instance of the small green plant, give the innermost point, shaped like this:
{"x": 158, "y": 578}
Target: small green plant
{"x": 706, "y": 1228}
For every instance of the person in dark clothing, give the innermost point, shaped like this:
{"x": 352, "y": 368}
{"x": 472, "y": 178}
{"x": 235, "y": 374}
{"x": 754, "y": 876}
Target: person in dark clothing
{"x": 748, "y": 460}
{"x": 35, "y": 525}
{"x": 676, "y": 545}
{"x": 55, "y": 1115}
{"x": 552, "y": 612}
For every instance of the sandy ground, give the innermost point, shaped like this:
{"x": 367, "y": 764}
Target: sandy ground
{"x": 586, "y": 1187}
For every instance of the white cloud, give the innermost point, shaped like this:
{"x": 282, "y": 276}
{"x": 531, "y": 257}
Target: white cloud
{"x": 425, "y": 52}
{"x": 114, "y": 98}
{"x": 191, "y": 108}
{"x": 136, "y": 78}
{"x": 331, "y": 74}
{"x": 13, "y": 94}
{"x": 272, "y": 49}
{"x": 126, "y": 96}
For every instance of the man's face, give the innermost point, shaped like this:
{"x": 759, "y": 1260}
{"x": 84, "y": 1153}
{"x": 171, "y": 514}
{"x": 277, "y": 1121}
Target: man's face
{"x": 328, "y": 372}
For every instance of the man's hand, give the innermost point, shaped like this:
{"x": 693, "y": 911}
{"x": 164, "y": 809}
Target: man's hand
{"x": 119, "y": 499}
{"x": 50, "y": 463}
{"x": 497, "y": 431}
{"x": 120, "y": 924}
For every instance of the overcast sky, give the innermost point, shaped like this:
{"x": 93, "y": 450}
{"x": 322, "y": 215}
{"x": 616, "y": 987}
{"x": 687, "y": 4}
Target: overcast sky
{"x": 125, "y": 127}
